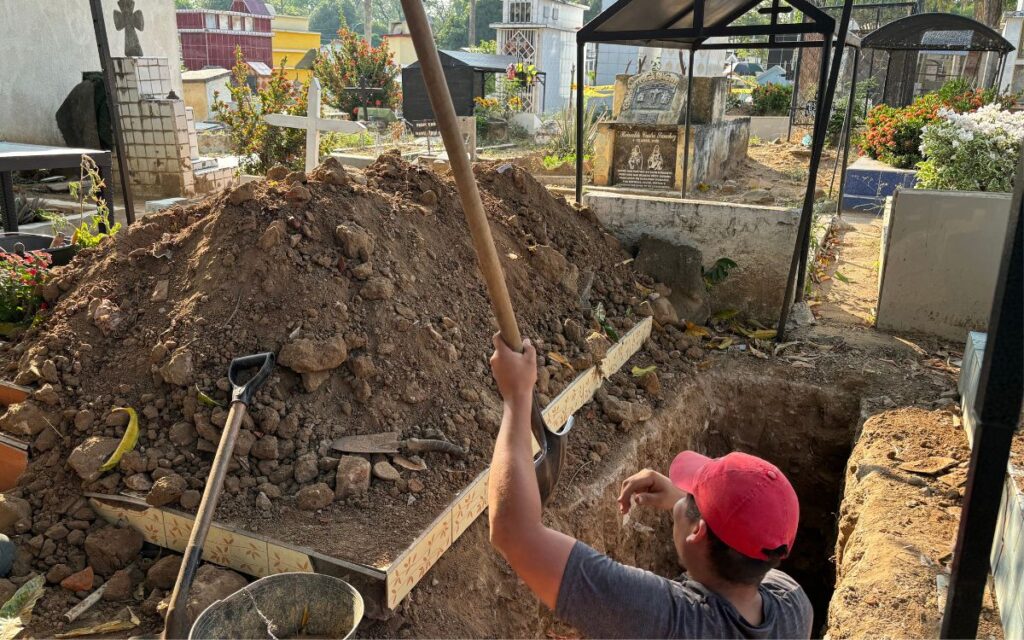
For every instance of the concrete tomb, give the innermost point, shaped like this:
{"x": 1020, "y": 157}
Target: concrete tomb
{"x": 642, "y": 146}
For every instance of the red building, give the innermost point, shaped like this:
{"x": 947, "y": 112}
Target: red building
{"x": 208, "y": 38}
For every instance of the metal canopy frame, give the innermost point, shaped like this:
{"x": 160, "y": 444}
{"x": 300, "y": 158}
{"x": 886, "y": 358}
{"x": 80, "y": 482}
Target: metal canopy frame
{"x": 687, "y": 25}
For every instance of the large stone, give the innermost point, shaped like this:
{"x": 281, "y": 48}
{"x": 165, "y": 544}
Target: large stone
{"x": 119, "y": 586}
{"x": 87, "y": 457}
{"x": 242, "y": 193}
{"x": 306, "y": 355}
{"x": 378, "y": 288}
{"x": 81, "y": 581}
{"x": 164, "y": 572}
{"x": 680, "y": 267}
{"x": 314, "y": 497}
{"x": 355, "y": 241}
{"x": 112, "y": 548}
{"x": 555, "y": 267}
{"x": 166, "y": 490}
{"x": 178, "y": 371}
{"x": 353, "y": 476}
{"x": 331, "y": 171}
{"x": 26, "y": 419}
{"x": 306, "y": 469}
{"x": 12, "y": 512}
{"x": 107, "y": 317}
{"x": 620, "y": 411}
{"x": 210, "y": 585}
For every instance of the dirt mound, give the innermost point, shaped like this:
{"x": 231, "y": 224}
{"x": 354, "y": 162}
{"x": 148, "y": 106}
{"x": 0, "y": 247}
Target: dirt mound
{"x": 366, "y": 285}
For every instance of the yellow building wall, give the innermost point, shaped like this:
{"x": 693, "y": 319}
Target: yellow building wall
{"x": 292, "y": 39}
{"x": 195, "y": 97}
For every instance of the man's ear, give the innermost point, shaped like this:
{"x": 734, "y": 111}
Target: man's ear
{"x": 699, "y": 534}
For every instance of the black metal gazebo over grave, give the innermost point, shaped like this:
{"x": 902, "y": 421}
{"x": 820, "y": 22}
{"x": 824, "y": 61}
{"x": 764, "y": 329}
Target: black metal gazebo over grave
{"x": 937, "y": 35}
{"x": 688, "y": 24}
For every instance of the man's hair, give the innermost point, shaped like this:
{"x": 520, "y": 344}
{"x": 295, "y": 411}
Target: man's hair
{"x": 730, "y": 564}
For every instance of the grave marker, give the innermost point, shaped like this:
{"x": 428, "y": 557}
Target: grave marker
{"x": 313, "y": 123}
{"x": 127, "y": 18}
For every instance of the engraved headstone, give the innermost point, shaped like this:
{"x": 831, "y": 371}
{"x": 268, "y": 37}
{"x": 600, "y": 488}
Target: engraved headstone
{"x": 127, "y": 18}
{"x": 655, "y": 97}
{"x": 644, "y": 157}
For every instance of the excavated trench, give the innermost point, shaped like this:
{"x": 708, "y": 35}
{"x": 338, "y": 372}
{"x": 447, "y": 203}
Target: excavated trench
{"x": 806, "y": 430}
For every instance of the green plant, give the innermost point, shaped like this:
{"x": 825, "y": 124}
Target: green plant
{"x": 28, "y": 209}
{"x": 352, "y": 64}
{"x": 95, "y": 228}
{"x": 718, "y": 272}
{"x": 564, "y": 141}
{"x": 333, "y": 140}
{"x": 976, "y": 151}
{"x": 554, "y": 161}
{"x": 260, "y": 145}
{"x": 755, "y": 141}
{"x": 771, "y": 99}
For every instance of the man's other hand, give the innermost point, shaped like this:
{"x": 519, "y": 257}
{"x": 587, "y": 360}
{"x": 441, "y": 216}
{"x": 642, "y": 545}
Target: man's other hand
{"x": 515, "y": 373}
{"x": 649, "y": 489}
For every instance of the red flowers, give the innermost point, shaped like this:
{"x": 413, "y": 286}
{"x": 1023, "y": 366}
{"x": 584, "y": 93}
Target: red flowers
{"x": 19, "y": 277}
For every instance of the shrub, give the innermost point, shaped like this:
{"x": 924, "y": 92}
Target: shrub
{"x": 353, "y": 63}
{"x": 893, "y": 134}
{"x": 771, "y": 99}
{"x": 19, "y": 279}
{"x": 564, "y": 141}
{"x": 260, "y": 145}
{"x": 971, "y": 152}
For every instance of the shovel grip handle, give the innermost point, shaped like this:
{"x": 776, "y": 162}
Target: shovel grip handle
{"x": 244, "y": 392}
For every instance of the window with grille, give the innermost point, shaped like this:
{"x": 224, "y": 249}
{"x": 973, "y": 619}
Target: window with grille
{"x": 211, "y": 21}
{"x": 554, "y": 13}
{"x": 519, "y": 11}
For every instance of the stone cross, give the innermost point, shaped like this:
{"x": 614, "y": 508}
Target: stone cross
{"x": 128, "y": 19}
{"x": 313, "y": 124}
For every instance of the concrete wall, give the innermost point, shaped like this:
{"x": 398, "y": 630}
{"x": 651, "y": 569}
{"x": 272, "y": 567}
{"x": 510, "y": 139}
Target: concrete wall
{"x": 939, "y": 262}
{"x": 759, "y": 239}
{"x": 47, "y": 46}
{"x": 766, "y": 127}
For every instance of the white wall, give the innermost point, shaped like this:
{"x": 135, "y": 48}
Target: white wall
{"x": 47, "y": 45}
{"x": 939, "y": 261}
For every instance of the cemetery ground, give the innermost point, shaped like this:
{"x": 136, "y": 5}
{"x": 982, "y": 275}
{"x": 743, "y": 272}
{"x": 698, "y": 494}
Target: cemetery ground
{"x": 368, "y": 270}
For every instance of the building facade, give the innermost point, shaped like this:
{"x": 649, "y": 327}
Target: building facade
{"x": 209, "y": 38}
{"x": 542, "y": 33}
{"x": 294, "y": 46}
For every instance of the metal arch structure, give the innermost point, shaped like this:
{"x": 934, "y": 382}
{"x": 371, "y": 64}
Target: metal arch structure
{"x": 687, "y": 24}
{"x": 940, "y": 32}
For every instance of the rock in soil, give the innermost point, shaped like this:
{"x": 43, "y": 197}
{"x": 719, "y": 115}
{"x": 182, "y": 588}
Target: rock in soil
{"x": 81, "y": 581}
{"x": 164, "y": 572}
{"x": 88, "y": 457}
{"x": 14, "y": 511}
{"x": 119, "y": 586}
{"x": 166, "y": 490}
{"x": 111, "y": 548}
{"x": 26, "y": 419}
{"x": 353, "y": 476}
{"x": 314, "y": 497}
{"x": 210, "y": 585}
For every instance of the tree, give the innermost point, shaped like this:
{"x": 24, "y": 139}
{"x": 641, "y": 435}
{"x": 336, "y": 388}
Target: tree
{"x": 368, "y": 21}
{"x": 471, "y": 25}
{"x": 352, "y": 63}
{"x": 988, "y": 12}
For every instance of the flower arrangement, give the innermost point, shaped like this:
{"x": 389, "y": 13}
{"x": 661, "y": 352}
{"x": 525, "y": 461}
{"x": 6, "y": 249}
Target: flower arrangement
{"x": 20, "y": 276}
{"x": 893, "y": 134}
{"x": 975, "y": 151}
{"x": 524, "y": 74}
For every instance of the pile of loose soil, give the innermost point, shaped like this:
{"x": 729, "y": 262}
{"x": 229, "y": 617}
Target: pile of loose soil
{"x": 365, "y": 284}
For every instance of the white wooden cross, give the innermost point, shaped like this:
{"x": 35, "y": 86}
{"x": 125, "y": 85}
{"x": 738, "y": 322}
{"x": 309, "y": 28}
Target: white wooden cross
{"x": 313, "y": 123}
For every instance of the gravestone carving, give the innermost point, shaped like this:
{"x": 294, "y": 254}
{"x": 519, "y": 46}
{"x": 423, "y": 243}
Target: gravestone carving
{"x": 127, "y": 18}
{"x": 656, "y": 97}
{"x": 644, "y": 157}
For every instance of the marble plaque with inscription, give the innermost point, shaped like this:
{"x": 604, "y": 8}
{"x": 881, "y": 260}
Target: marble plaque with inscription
{"x": 644, "y": 157}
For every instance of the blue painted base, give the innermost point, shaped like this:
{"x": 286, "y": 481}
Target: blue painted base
{"x": 869, "y": 183}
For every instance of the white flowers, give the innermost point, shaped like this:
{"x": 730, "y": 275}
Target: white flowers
{"x": 975, "y": 151}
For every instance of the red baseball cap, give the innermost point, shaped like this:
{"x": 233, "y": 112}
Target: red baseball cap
{"x": 746, "y": 501}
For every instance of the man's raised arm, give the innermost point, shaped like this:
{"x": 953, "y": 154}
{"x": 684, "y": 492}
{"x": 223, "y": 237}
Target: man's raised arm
{"x": 537, "y": 554}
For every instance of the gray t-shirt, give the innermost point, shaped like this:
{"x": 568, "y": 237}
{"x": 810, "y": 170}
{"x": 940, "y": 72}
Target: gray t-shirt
{"x": 605, "y": 599}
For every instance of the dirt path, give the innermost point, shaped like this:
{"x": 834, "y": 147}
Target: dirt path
{"x": 849, "y": 295}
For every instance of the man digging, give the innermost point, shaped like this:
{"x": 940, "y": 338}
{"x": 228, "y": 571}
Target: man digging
{"x": 734, "y": 520}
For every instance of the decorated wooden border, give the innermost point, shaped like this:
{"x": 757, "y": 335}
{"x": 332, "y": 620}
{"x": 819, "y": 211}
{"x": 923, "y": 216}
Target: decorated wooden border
{"x": 260, "y": 556}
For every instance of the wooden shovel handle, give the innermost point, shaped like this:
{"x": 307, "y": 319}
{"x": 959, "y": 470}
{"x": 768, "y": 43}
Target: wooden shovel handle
{"x": 448, "y": 124}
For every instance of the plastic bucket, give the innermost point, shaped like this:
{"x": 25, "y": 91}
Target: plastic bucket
{"x": 286, "y": 605}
